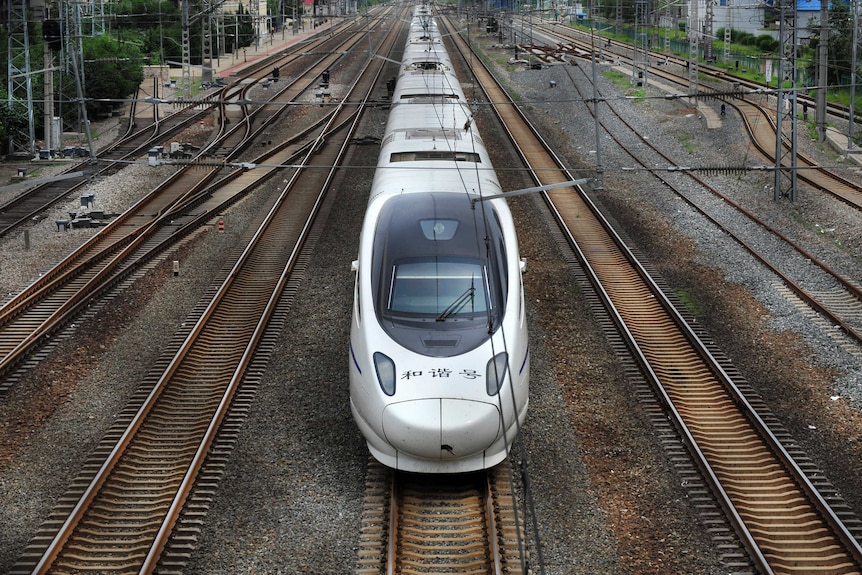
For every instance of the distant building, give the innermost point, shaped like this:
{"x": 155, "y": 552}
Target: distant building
{"x": 261, "y": 25}
{"x": 758, "y": 17}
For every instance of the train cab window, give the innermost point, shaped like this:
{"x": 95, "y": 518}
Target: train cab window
{"x": 440, "y": 287}
{"x": 437, "y": 264}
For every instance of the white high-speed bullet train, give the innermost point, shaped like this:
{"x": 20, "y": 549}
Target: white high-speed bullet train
{"x": 439, "y": 352}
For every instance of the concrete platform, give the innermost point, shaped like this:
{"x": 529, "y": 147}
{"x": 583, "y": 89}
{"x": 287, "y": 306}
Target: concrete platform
{"x": 227, "y": 65}
{"x": 838, "y": 142}
{"x": 711, "y": 116}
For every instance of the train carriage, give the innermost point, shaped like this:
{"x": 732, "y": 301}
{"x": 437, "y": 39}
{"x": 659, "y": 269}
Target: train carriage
{"x": 439, "y": 354}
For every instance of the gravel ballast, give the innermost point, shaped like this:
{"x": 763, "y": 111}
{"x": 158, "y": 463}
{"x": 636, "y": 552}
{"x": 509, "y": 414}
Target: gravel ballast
{"x": 607, "y": 500}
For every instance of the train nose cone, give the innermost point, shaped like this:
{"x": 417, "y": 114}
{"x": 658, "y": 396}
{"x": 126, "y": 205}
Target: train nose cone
{"x": 441, "y": 428}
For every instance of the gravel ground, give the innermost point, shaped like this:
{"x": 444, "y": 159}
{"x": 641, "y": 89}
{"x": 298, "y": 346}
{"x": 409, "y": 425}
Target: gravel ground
{"x": 607, "y": 500}
{"x": 809, "y": 375}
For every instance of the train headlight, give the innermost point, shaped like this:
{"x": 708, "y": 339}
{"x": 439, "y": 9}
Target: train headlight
{"x": 385, "y": 368}
{"x": 495, "y": 372}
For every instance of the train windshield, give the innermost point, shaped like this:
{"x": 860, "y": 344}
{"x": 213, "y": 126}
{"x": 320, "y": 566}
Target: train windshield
{"x": 438, "y": 266}
{"x": 445, "y": 287}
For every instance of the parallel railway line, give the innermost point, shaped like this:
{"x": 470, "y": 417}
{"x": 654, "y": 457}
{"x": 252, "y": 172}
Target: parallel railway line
{"x": 123, "y": 510}
{"x": 759, "y": 119}
{"x": 140, "y": 138}
{"x": 774, "y": 504}
{"x": 828, "y": 292}
{"x": 453, "y": 524}
{"x": 166, "y": 215}
{"x": 716, "y": 421}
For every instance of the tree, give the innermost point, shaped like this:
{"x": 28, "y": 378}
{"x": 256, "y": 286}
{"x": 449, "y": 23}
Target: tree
{"x": 148, "y": 23}
{"x": 112, "y": 71}
{"x": 13, "y": 120}
{"x": 839, "y": 42}
{"x": 246, "y": 26}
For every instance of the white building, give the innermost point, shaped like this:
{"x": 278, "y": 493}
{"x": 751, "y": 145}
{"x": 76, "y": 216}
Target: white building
{"x": 756, "y": 16}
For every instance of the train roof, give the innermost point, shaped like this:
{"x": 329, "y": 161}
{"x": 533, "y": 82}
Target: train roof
{"x": 443, "y": 175}
{"x": 448, "y": 112}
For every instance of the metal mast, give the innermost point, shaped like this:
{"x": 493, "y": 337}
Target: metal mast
{"x": 19, "y": 83}
{"x": 206, "y": 42}
{"x": 822, "y": 71}
{"x": 97, "y": 25}
{"x": 727, "y": 36}
{"x": 785, "y": 159}
{"x": 851, "y": 143}
{"x": 708, "y": 32}
{"x": 254, "y": 12}
{"x": 186, "y": 78}
{"x": 641, "y": 50}
{"x": 75, "y": 55}
{"x": 693, "y": 48}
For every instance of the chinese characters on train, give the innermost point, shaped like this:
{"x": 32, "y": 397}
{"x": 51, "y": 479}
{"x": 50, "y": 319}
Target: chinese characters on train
{"x": 441, "y": 372}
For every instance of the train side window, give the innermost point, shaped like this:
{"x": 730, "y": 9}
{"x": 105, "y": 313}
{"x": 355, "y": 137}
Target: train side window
{"x": 435, "y": 155}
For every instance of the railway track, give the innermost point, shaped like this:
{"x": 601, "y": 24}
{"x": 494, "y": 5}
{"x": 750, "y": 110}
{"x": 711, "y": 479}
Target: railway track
{"x": 832, "y": 295}
{"x": 785, "y": 514}
{"x": 749, "y": 100}
{"x": 122, "y": 511}
{"x": 463, "y": 523}
{"x": 583, "y": 40}
{"x": 189, "y": 199}
{"x": 825, "y": 290}
{"x": 828, "y": 293}
{"x": 146, "y": 134}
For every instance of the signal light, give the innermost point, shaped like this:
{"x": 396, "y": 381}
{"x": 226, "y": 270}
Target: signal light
{"x": 52, "y": 33}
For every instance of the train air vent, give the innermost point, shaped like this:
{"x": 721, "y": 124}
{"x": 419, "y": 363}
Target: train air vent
{"x": 440, "y": 342}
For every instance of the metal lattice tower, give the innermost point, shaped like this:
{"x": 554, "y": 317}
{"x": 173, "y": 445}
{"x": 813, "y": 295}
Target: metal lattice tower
{"x": 667, "y": 24}
{"x": 206, "y": 42}
{"x": 708, "y": 31}
{"x": 75, "y": 56}
{"x": 785, "y": 158}
{"x": 640, "y": 62}
{"x": 694, "y": 48}
{"x": 254, "y": 12}
{"x": 186, "y": 77}
{"x": 98, "y": 22}
{"x": 727, "y": 28}
{"x": 851, "y": 138}
{"x": 19, "y": 81}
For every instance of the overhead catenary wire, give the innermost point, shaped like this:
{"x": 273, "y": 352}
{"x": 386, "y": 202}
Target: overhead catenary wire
{"x": 522, "y": 459}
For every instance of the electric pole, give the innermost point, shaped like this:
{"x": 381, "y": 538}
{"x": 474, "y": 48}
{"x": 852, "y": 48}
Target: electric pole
{"x": 822, "y": 71}
{"x": 19, "y": 83}
{"x": 785, "y": 158}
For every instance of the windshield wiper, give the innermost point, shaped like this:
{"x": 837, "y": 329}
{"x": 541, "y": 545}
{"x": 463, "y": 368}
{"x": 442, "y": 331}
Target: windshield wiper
{"x": 459, "y": 302}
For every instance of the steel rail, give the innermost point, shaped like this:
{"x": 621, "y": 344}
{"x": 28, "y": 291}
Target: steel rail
{"x": 584, "y": 38}
{"x": 133, "y": 144}
{"x": 851, "y": 289}
{"x": 125, "y": 261}
{"x": 543, "y": 162}
{"x": 448, "y": 524}
{"x": 114, "y": 249}
{"x": 761, "y": 125}
{"x": 261, "y": 240}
